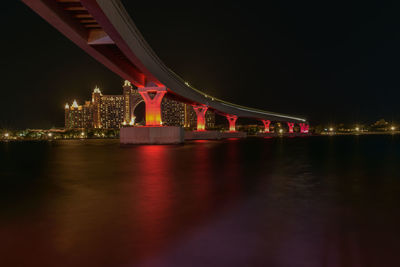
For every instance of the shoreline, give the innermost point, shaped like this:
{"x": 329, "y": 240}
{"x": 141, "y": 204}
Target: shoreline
{"x": 271, "y": 135}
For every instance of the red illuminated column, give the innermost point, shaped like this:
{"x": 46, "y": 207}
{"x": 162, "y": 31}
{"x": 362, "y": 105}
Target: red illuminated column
{"x": 267, "y": 123}
{"x": 291, "y": 126}
{"x": 201, "y": 117}
{"x": 304, "y": 128}
{"x": 301, "y": 127}
{"x": 232, "y": 122}
{"x": 153, "y": 104}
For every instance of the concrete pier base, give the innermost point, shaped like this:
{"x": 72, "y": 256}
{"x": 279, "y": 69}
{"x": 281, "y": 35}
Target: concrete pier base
{"x": 233, "y": 135}
{"x": 212, "y": 135}
{"x": 267, "y": 134}
{"x": 202, "y": 135}
{"x": 149, "y": 135}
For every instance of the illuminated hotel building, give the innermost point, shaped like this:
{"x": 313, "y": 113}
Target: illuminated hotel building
{"x": 96, "y": 106}
{"x": 172, "y": 112}
{"x": 78, "y": 116}
{"x": 114, "y": 111}
{"x": 111, "y": 111}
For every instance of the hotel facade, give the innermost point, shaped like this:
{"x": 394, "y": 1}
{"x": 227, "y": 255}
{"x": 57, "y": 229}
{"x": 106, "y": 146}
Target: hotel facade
{"x": 115, "y": 111}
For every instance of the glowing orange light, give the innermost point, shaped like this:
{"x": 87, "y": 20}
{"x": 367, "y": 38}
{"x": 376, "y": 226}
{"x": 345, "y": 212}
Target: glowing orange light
{"x": 232, "y": 122}
{"x": 132, "y": 122}
{"x": 153, "y": 105}
{"x": 267, "y": 123}
{"x": 201, "y": 117}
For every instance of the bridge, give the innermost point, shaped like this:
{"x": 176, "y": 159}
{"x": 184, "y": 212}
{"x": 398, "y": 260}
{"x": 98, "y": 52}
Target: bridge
{"x": 104, "y": 29}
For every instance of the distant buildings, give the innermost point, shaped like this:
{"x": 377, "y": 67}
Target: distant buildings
{"x": 380, "y": 126}
{"x": 78, "y": 116}
{"x": 114, "y": 111}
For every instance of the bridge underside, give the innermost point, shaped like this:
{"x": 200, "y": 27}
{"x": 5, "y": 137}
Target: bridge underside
{"x": 105, "y": 31}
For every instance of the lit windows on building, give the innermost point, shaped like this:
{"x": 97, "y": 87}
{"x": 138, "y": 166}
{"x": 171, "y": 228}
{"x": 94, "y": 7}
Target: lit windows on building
{"x": 113, "y": 111}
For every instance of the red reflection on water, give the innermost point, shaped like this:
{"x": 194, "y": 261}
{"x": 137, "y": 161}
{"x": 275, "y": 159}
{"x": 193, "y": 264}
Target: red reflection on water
{"x": 232, "y": 172}
{"x": 153, "y": 201}
{"x": 202, "y": 175}
{"x": 174, "y": 197}
{"x": 200, "y": 141}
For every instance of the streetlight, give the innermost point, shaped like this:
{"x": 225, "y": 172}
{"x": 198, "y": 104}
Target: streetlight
{"x": 392, "y": 128}
{"x": 132, "y": 122}
{"x": 357, "y": 129}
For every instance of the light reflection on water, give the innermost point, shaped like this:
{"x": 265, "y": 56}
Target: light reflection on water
{"x": 317, "y": 201}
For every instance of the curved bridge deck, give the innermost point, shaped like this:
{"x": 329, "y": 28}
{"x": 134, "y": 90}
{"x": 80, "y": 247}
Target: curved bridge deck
{"x": 104, "y": 29}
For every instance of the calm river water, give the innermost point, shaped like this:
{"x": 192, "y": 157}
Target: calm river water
{"x": 312, "y": 202}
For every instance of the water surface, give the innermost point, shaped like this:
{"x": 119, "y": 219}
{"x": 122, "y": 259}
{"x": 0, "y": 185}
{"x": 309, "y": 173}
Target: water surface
{"x": 317, "y": 201}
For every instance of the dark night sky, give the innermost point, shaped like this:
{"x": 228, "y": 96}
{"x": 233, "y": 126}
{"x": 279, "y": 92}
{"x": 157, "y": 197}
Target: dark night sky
{"x": 326, "y": 60}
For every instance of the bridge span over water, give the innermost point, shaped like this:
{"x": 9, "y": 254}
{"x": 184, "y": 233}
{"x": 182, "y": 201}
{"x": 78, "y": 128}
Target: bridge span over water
{"x": 104, "y": 29}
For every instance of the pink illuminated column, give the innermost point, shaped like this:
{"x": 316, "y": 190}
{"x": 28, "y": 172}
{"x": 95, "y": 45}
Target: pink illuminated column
{"x": 201, "y": 117}
{"x": 291, "y": 126}
{"x": 152, "y": 97}
{"x": 232, "y": 122}
{"x": 267, "y": 123}
{"x": 304, "y": 128}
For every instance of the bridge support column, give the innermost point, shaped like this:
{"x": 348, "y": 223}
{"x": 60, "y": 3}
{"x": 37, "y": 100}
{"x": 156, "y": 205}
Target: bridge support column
{"x": 267, "y": 123}
{"x": 152, "y": 97}
{"x": 304, "y": 128}
{"x": 201, "y": 117}
{"x": 232, "y": 122}
{"x": 291, "y": 126}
